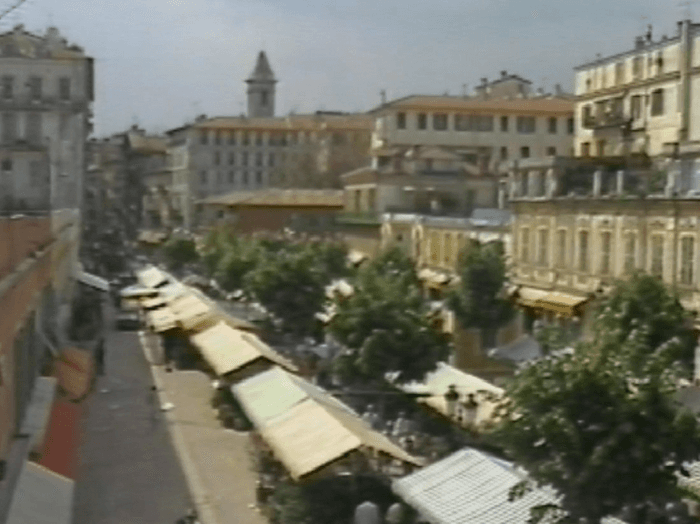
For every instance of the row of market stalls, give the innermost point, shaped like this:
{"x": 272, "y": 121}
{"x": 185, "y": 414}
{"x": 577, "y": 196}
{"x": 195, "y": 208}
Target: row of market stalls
{"x": 305, "y": 428}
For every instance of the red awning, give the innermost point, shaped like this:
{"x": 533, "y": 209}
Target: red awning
{"x": 60, "y": 450}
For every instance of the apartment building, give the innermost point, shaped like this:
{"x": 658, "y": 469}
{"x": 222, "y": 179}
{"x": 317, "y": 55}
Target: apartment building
{"x": 645, "y": 102}
{"x": 502, "y": 121}
{"x": 46, "y": 91}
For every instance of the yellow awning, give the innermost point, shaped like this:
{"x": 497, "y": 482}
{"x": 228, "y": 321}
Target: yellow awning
{"x": 227, "y": 349}
{"x": 161, "y": 319}
{"x": 152, "y": 277}
{"x": 528, "y": 296}
{"x": 562, "y": 303}
{"x": 152, "y": 302}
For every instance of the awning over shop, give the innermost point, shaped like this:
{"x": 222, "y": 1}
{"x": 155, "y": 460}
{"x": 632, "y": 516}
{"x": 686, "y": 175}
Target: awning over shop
{"x": 41, "y": 497}
{"x": 137, "y": 291}
{"x": 151, "y": 237}
{"x": 190, "y": 310}
{"x": 306, "y": 427}
{"x": 528, "y": 296}
{"x": 153, "y": 277}
{"x": 161, "y": 320}
{"x": 153, "y": 303}
{"x": 173, "y": 291}
{"x": 91, "y": 280}
{"x": 74, "y": 372}
{"x": 432, "y": 277}
{"x": 356, "y": 257}
{"x": 438, "y": 382}
{"x": 561, "y": 303}
{"x": 227, "y": 349}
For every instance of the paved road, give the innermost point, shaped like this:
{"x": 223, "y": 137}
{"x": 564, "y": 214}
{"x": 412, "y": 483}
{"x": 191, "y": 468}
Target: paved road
{"x": 128, "y": 471}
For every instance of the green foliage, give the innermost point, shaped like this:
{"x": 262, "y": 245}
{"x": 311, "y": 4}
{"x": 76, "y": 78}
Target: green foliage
{"x": 179, "y": 251}
{"x": 386, "y": 326}
{"x": 479, "y": 301}
{"x": 238, "y": 258}
{"x": 600, "y": 424}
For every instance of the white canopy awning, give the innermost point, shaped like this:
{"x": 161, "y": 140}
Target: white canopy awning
{"x": 91, "y": 280}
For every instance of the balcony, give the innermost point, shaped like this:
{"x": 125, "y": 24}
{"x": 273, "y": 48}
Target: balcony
{"x": 606, "y": 121}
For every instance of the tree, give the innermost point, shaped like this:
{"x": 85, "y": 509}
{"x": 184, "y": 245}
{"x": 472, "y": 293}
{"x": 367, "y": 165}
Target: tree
{"x": 479, "y": 301}
{"x": 386, "y": 327}
{"x": 179, "y": 251}
{"x": 599, "y": 424}
{"x": 238, "y": 258}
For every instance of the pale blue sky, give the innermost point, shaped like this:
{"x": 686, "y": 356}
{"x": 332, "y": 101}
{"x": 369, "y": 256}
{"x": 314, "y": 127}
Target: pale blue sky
{"x": 160, "y": 62}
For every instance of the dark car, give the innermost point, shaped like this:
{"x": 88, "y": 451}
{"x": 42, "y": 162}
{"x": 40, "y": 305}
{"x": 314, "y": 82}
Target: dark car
{"x": 127, "y": 320}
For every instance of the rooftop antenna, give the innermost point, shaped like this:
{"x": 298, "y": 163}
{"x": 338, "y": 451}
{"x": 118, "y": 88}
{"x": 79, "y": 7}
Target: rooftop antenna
{"x": 464, "y": 90}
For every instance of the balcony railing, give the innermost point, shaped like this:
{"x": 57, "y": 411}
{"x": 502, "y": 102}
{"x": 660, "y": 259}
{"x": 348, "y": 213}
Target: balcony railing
{"x": 614, "y": 119}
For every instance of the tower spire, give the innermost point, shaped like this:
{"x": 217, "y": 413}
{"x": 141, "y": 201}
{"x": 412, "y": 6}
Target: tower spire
{"x": 261, "y": 89}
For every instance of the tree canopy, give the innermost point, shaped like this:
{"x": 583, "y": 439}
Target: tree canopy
{"x": 599, "y": 423}
{"x": 386, "y": 325}
{"x": 179, "y": 251}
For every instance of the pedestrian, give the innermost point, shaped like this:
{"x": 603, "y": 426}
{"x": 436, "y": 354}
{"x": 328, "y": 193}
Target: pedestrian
{"x": 152, "y": 401}
{"x": 100, "y": 356}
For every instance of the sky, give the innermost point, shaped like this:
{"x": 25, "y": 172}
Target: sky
{"x": 159, "y": 63}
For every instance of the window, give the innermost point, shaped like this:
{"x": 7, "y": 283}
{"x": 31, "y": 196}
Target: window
{"x": 34, "y": 128}
{"x": 583, "y": 250}
{"x": 525, "y": 152}
{"x": 619, "y": 73}
{"x": 217, "y": 158}
{"x": 271, "y": 160}
{"x": 259, "y": 178}
{"x": 203, "y": 137}
{"x": 203, "y": 177}
{"x": 64, "y": 88}
{"x": 657, "y": 102}
{"x": 570, "y": 125}
{"x": 64, "y": 122}
{"x": 231, "y": 176}
{"x": 636, "y": 107}
{"x": 561, "y": 248}
{"x": 8, "y": 84}
{"x": 525, "y": 124}
{"x": 263, "y": 98}
{"x": 542, "y": 246}
{"x": 245, "y": 178}
{"x": 245, "y": 158}
{"x": 217, "y": 138}
{"x": 551, "y": 151}
{"x": 637, "y": 67}
{"x": 504, "y": 153}
{"x": 464, "y": 123}
{"x": 482, "y": 123}
{"x": 9, "y": 127}
{"x": 422, "y": 121}
{"x": 448, "y": 248}
{"x": 600, "y": 148}
{"x": 525, "y": 245}
{"x": 630, "y": 253}
{"x": 35, "y": 87}
{"x": 246, "y": 139}
{"x": 440, "y": 122}
{"x": 218, "y": 178}
{"x": 687, "y": 258}
{"x": 659, "y": 64}
{"x": 657, "y": 256}
{"x": 586, "y": 149}
{"x": 605, "y": 241}
{"x": 6, "y": 165}
{"x": 258, "y": 159}
{"x": 231, "y": 159}
{"x": 36, "y": 177}
{"x": 259, "y": 139}
{"x": 504, "y": 124}
{"x": 552, "y": 124}
{"x": 401, "y": 120}
{"x": 232, "y": 138}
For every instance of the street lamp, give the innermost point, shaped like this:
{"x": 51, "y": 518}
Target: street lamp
{"x": 451, "y": 399}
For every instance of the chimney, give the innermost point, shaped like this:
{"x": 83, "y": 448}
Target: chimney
{"x": 504, "y": 73}
{"x": 639, "y": 42}
{"x": 484, "y": 81}
{"x": 648, "y": 35}
{"x": 382, "y": 95}
{"x": 558, "y": 90}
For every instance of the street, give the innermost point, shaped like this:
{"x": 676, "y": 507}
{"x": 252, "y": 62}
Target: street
{"x": 128, "y": 471}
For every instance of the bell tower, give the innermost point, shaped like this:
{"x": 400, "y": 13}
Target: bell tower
{"x": 261, "y": 89}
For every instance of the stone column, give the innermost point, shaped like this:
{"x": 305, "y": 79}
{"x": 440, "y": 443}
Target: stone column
{"x": 513, "y": 185}
{"x": 552, "y": 183}
{"x": 597, "y": 182}
{"x": 533, "y": 182}
{"x": 620, "y": 182}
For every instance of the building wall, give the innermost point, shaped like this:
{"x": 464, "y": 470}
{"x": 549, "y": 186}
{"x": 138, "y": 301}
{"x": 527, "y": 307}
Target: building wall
{"x": 245, "y": 219}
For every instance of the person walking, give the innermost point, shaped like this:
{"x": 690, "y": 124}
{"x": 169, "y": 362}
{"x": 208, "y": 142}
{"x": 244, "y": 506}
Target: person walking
{"x": 100, "y": 356}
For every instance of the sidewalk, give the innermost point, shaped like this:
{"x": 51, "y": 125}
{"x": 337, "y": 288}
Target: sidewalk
{"x": 215, "y": 460}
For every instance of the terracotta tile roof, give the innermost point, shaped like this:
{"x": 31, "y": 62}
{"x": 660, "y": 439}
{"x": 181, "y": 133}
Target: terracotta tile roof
{"x": 456, "y": 103}
{"x": 280, "y": 197}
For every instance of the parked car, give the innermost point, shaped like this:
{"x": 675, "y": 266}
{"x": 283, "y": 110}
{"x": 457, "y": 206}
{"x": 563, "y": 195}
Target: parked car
{"x": 127, "y": 320}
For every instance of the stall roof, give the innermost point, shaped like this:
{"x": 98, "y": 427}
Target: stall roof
{"x": 91, "y": 280}
{"x": 227, "y": 349}
{"x": 437, "y": 383}
{"x": 161, "y": 319}
{"x": 306, "y": 427}
{"x": 153, "y": 277}
{"x": 137, "y": 291}
{"x": 153, "y": 302}
{"x": 438, "y": 491}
